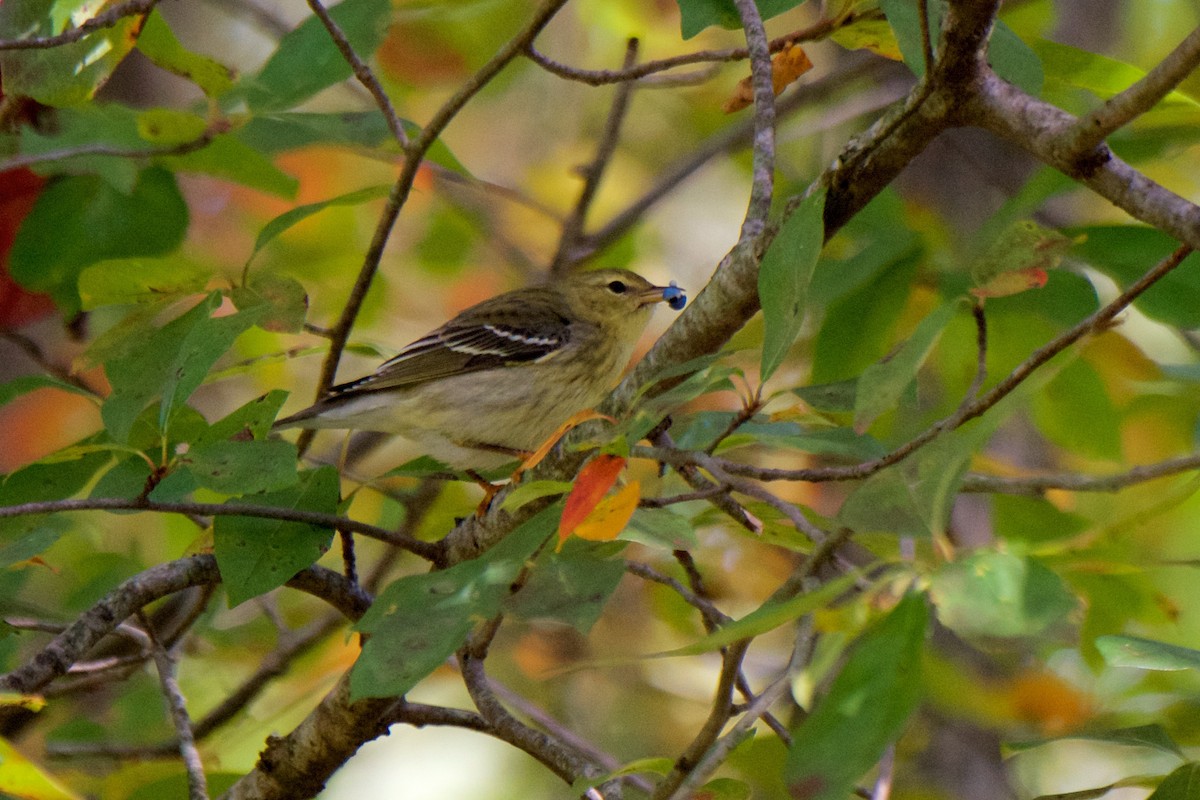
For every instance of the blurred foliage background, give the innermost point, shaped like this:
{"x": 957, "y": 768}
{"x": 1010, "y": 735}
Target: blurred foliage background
{"x": 1063, "y": 643}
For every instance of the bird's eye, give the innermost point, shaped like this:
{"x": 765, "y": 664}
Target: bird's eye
{"x": 617, "y": 287}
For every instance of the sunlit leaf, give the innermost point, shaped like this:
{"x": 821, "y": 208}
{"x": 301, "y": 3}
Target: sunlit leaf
{"x": 165, "y": 126}
{"x": 20, "y": 777}
{"x": 66, "y": 75}
{"x": 866, "y": 707}
{"x": 139, "y": 280}
{"x": 784, "y": 275}
{"x": 526, "y": 493}
{"x": 610, "y": 516}
{"x": 870, "y": 34}
{"x": 158, "y": 43}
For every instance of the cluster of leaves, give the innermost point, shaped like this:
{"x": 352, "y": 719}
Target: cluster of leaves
{"x": 914, "y": 375}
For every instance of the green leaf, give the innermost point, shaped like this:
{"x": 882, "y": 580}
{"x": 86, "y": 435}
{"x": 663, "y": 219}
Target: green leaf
{"x": 251, "y": 421}
{"x": 993, "y": 594}
{"x": 526, "y": 493}
{"x": 767, "y": 617}
{"x": 832, "y": 398}
{"x": 915, "y": 497}
{"x": 1182, "y": 784}
{"x": 282, "y": 301}
{"x": 172, "y": 362}
{"x": 307, "y": 60}
{"x": 23, "y": 538}
{"x": 81, "y": 128}
{"x": 68, "y": 74}
{"x": 228, "y": 157}
{"x": 166, "y": 126}
{"x": 865, "y": 709}
{"x": 571, "y": 586}
{"x": 1134, "y": 651}
{"x": 242, "y": 468}
{"x": 420, "y": 467}
{"x": 696, "y": 15}
{"x": 418, "y": 621}
{"x": 158, "y": 43}
{"x": 296, "y": 215}
{"x": 1015, "y": 61}
{"x": 31, "y": 383}
{"x": 660, "y": 527}
{"x": 882, "y": 384}
{"x": 784, "y": 275}
{"x": 256, "y": 555}
{"x": 1125, "y": 252}
{"x": 52, "y": 481}
{"x": 903, "y": 16}
{"x": 1076, "y": 411}
{"x": 1024, "y": 244}
{"x": 80, "y": 220}
{"x": 1100, "y": 75}
{"x": 139, "y": 280}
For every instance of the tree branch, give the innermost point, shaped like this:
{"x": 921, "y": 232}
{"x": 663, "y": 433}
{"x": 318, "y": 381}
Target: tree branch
{"x": 1139, "y": 98}
{"x": 426, "y": 550}
{"x": 106, "y": 19}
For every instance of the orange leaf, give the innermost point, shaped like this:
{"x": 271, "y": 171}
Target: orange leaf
{"x": 786, "y": 67}
{"x": 594, "y": 481}
{"x": 611, "y": 515}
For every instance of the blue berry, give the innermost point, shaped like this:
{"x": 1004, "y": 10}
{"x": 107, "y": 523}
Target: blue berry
{"x": 675, "y": 297}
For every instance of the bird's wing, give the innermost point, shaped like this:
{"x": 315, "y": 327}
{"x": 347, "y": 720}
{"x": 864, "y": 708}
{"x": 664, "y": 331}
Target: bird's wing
{"x": 486, "y": 336}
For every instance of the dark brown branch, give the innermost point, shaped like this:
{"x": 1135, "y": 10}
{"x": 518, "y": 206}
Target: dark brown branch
{"x": 361, "y": 71}
{"x": 426, "y": 550}
{"x": 106, "y": 19}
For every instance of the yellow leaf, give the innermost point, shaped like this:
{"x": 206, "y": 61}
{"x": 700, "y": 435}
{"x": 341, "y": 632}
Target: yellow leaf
{"x": 869, "y": 34}
{"x": 594, "y": 481}
{"x": 611, "y": 515}
{"x": 20, "y": 777}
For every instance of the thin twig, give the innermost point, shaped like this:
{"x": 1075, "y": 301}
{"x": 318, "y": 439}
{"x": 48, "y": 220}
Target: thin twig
{"x": 29, "y": 159}
{"x": 107, "y": 19}
{"x": 1073, "y": 482}
{"x": 762, "y": 168}
{"x": 426, "y": 550}
{"x": 361, "y": 71}
{"x": 177, "y": 704}
{"x": 926, "y": 38}
{"x": 572, "y": 228}
{"x": 599, "y": 77}
{"x": 35, "y": 354}
{"x": 1139, "y": 98}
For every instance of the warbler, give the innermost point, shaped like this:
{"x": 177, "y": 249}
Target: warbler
{"x": 500, "y": 378}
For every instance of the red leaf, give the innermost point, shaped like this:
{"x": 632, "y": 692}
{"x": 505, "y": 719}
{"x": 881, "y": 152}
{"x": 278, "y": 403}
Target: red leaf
{"x": 594, "y": 481}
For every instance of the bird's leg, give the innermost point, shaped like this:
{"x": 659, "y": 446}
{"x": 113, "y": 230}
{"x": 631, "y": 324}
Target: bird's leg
{"x": 535, "y": 458}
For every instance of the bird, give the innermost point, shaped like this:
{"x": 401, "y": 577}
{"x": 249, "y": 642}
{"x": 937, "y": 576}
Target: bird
{"x": 499, "y": 379}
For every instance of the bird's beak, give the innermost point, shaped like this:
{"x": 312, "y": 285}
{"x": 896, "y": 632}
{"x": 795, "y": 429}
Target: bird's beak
{"x": 672, "y": 295}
